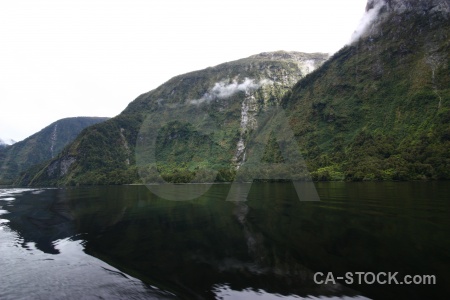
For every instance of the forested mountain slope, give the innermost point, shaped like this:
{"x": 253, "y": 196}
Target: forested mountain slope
{"x": 231, "y": 94}
{"x": 41, "y": 146}
{"x": 380, "y": 107}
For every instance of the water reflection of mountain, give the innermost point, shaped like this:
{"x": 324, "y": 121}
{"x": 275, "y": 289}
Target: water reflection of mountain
{"x": 272, "y": 242}
{"x": 39, "y": 216}
{"x": 184, "y": 247}
{"x": 189, "y": 247}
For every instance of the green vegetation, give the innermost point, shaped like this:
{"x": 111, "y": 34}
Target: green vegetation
{"x": 105, "y": 153}
{"x": 379, "y": 109}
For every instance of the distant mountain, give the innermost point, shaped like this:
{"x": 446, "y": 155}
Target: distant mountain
{"x": 231, "y": 94}
{"x": 41, "y": 146}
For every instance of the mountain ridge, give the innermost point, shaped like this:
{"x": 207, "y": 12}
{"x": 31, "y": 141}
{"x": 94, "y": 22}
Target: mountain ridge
{"x": 41, "y": 146}
{"x": 104, "y": 153}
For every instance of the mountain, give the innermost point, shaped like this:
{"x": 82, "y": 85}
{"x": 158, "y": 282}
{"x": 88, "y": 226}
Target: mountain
{"x": 231, "y": 94}
{"x": 41, "y": 146}
{"x": 379, "y": 109}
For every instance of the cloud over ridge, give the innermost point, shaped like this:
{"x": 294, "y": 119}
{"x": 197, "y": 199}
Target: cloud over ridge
{"x": 224, "y": 90}
{"x": 367, "y": 20}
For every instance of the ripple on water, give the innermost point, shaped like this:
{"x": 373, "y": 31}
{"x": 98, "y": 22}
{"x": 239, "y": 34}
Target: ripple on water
{"x": 6, "y": 194}
{"x": 225, "y": 292}
{"x": 7, "y": 198}
{"x": 3, "y": 221}
{"x": 71, "y": 270}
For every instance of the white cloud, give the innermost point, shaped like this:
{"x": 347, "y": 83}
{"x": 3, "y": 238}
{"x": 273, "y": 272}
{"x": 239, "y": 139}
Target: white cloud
{"x": 367, "y": 20}
{"x": 222, "y": 90}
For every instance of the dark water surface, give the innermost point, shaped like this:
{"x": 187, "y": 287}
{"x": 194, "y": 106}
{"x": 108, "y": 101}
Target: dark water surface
{"x": 123, "y": 242}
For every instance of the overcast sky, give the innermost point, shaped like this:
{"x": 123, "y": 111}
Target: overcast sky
{"x": 61, "y": 58}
